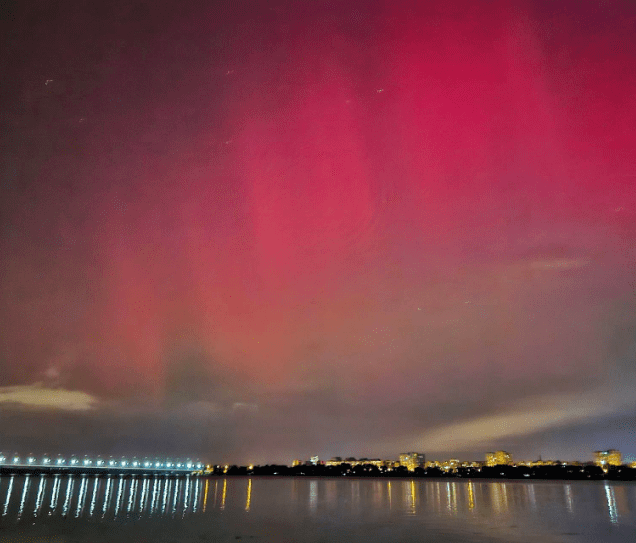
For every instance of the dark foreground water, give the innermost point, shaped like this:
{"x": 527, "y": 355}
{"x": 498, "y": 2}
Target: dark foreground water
{"x": 84, "y": 508}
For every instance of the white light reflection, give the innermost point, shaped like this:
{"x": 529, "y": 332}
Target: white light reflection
{"x": 144, "y": 496}
{"x": 197, "y": 491}
{"x": 81, "y": 497}
{"x": 69, "y": 495}
{"x": 55, "y": 494}
{"x": 611, "y": 503}
{"x": 94, "y": 496}
{"x": 40, "y": 496}
{"x": 313, "y": 495}
{"x": 132, "y": 494}
{"x": 177, "y": 490}
{"x": 533, "y": 499}
{"x": 120, "y": 494}
{"x": 166, "y": 494}
{"x": 153, "y": 501}
{"x": 568, "y": 497}
{"x": 8, "y": 499}
{"x": 107, "y": 492}
{"x": 186, "y": 495}
{"x": 25, "y": 492}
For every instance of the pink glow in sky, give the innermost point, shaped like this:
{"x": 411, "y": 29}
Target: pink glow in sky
{"x": 334, "y": 228}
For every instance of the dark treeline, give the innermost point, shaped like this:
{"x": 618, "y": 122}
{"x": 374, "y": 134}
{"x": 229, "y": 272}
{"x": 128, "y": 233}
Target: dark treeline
{"x": 590, "y": 472}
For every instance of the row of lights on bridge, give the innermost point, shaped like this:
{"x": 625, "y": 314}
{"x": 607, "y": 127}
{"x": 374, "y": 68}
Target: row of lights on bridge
{"x": 31, "y": 460}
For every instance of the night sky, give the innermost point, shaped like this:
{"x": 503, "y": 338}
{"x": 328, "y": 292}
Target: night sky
{"x": 253, "y": 231}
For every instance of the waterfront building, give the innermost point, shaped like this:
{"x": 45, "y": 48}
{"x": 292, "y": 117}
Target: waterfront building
{"x": 498, "y": 458}
{"x": 611, "y": 457}
{"x": 412, "y": 460}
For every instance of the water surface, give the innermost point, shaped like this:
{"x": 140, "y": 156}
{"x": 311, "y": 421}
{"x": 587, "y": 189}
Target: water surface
{"x": 188, "y": 509}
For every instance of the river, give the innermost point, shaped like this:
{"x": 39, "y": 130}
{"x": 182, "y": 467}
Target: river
{"x": 66, "y": 509}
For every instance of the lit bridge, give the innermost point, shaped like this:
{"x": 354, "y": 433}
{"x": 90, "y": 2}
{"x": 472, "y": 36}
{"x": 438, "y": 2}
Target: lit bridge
{"x": 98, "y": 464}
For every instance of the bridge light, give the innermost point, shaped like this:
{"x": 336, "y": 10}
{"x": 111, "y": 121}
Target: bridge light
{"x": 179, "y": 465}
{"x": 2, "y": 459}
{"x": 46, "y": 460}
{"x": 100, "y": 462}
{"x": 60, "y": 461}
{"x": 111, "y": 462}
{"x": 31, "y": 460}
{"x": 146, "y": 464}
{"x": 135, "y": 464}
{"x": 16, "y": 459}
{"x": 74, "y": 461}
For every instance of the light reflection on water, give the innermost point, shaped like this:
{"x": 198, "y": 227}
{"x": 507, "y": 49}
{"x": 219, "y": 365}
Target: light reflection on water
{"x": 505, "y": 508}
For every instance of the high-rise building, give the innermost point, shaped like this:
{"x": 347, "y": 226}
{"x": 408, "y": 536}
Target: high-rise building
{"x": 498, "y": 458}
{"x": 315, "y": 460}
{"x": 412, "y": 460}
{"x": 296, "y": 463}
{"x": 611, "y": 457}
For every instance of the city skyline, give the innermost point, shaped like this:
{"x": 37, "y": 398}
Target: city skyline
{"x": 258, "y": 232}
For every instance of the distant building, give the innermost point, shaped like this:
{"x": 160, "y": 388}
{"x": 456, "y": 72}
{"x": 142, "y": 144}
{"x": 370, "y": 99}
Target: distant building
{"x": 296, "y": 463}
{"x": 412, "y": 460}
{"x": 611, "y": 457}
{"x": 337, "y": 460}
{"x": 498, "y": 458}
{"x": 315, "y": 460}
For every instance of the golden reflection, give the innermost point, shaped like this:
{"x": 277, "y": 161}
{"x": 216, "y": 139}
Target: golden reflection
{"x": 471, "y": 496}
{"x": 205, "y": 495}
{"x": 499, "y": 496}
{"x": 248, "y": 500}
{"x": 388, "y": 487}
{"x": 223, "y": 494}
{"x": 412, "y": 497}
{"x": 454, "y": 497}
{"x": 216, "y": 487}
